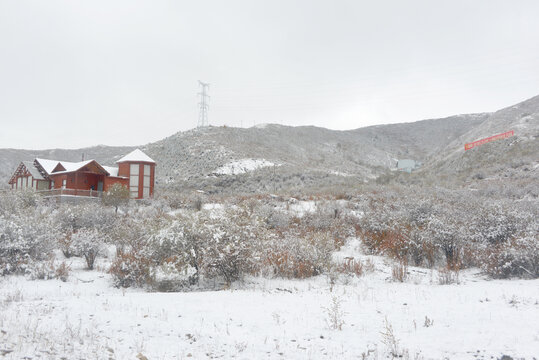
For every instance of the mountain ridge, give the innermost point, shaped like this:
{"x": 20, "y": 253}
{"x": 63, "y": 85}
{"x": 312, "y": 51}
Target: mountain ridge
{"x": 306, "y": 156}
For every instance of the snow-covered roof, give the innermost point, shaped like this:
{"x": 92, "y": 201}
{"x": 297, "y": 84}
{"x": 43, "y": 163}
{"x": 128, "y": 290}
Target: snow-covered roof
{"x": 71, "y": 166}
{"x": 136, "y": 156}
{"x": 47, "y": 165}
{"x": 33, "y": 170}
{"x": 113, "y": 171}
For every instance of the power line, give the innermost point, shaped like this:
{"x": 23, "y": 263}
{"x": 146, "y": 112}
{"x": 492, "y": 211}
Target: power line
{"x": 203, "y": 105}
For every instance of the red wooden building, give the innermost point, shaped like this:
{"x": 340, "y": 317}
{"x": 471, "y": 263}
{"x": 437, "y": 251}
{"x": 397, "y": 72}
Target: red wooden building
{"x": 136, "y": 171}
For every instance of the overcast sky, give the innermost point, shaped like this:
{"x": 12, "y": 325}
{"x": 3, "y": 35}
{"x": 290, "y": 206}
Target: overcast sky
{"x": 125, "y": 72}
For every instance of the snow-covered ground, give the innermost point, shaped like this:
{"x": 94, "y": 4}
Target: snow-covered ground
{"x": 242, "y": 166}
{"x": 86, "y": 317}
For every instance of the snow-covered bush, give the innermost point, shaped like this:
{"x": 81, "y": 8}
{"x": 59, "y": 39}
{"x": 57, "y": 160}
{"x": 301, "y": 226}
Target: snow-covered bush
{"x": 88, "y": 243}
{"x": 116, "y": 196}
{"x": 71, "y": 218}
{"x": 448, "y": 276}
{"x": 131, "y": 269}
{"x": 135, "y": 253}
{"x": 166, "y": 277}
{"x": 219, "y": 247}
{"x": 180, "y": 246}
{"x": 518, "y": 257}
{"x": 26, "y": 232}
{"x": 273, "y": 217}
{"x": 48, "y": 269}
{"x": 298, "y": 256}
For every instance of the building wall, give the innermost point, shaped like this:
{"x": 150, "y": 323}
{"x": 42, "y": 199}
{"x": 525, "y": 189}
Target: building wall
{"x": 57, "y": 181}
{"x": 86, "y": 181}
{"x": 23, "y": 182}
{"x": 124, "y": 169}
{"x": 406, "y": 163}
{"x": 43, "y": 185}
{"x": 111, "y": 180}
{"x": 80, "y": 181}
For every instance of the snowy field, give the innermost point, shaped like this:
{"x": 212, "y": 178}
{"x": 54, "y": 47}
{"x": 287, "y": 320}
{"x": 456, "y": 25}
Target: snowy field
{"x": 86, "y": 317}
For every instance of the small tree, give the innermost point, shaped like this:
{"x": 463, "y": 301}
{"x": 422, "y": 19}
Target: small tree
{"x": 117, "y": 195}
{"x": 88, "y": 243}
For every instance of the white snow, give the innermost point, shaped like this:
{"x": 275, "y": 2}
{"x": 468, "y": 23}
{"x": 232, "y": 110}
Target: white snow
{"x": 136, "y": 155}
{"x": 113, "y": 171}
{"x": 48, "y": 165}
{"x": 73, "y": 166}
{"x": 275, "y": 318}
{"x": 338, "y": 173}
{"x": 302, "y": 207}
{"x": 242, "y": 166}
{"x": 213, "y": 206}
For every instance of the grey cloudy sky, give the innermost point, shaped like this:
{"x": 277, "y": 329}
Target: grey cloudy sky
{"x": 125, "y": 72}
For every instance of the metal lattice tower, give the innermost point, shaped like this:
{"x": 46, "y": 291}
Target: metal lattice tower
{"x": 203, "y": 105}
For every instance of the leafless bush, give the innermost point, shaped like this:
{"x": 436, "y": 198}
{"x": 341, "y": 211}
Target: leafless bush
{"x": 518, "y": 257}
{"x": 355, "y": 266}
{"x": 131, "y": 269}
{"x": 335, "y": 314}
{"x": 48, "y": 269}
{"x": 428, "y": 322}
{"x": 399, "y": 272}
{"x": 448, "y": 276}
{"x": 390, "y": 340}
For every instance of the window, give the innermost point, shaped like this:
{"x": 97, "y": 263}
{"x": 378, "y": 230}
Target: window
{"x": 146, "y": 182}
{"x": 133, "y": 180}
{"x": 134, "y": 169}
{"x": 64, "y": 183}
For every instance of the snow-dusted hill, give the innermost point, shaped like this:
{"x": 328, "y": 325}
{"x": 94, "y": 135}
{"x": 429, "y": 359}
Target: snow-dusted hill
{"x": 225, "y": 159}
{"x": 516, "y": 156}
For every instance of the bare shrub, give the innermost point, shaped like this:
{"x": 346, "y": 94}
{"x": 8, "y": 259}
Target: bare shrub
{"x": 130, "y": 269}
{"x": 47, "y": 270}
{"x": 65, "y": 244}
{"x": 298, "y": 256}
{"x": 390, "y": 340}
{"x": 351, "y": 266}
{"x": 62, "y": 271}
{"x": 518, "y": 257}
{"x": 42, "y": 270}
{"x": 399, "y": 272}
{"x": 335, "y": 314}
{"x": 448, "y": 276}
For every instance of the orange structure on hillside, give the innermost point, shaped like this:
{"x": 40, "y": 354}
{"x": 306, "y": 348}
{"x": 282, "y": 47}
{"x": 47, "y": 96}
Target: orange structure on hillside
{"x": 505, "y": 135}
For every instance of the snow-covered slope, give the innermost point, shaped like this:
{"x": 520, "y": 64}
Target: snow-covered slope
{"x": 242, "y": 166}
{"x": 316, "y": 158}
{"x": 514, "y": 156}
